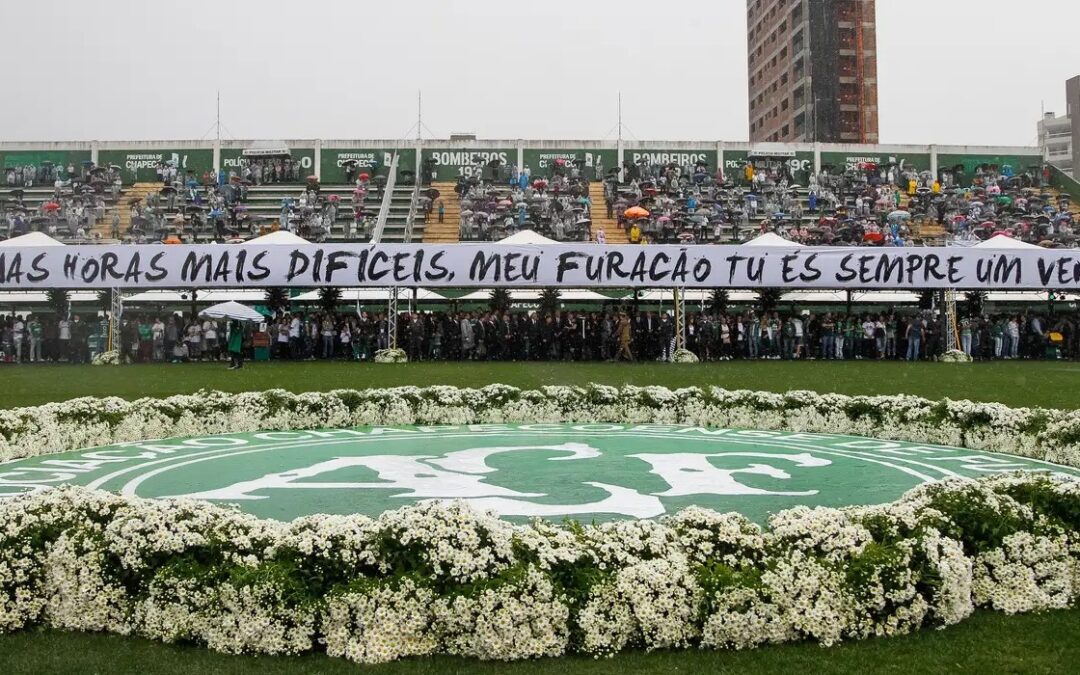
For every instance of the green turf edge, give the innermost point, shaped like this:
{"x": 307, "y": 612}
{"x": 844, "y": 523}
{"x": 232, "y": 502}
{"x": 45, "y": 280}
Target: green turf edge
{"x": 1029, "y": 384}
{"x": 988, "y": 642}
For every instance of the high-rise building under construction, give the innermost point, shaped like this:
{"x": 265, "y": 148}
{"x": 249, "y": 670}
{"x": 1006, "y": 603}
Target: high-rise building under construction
{"x": 812, "y": 70}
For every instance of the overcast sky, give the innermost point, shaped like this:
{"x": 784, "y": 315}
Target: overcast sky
{"x": 955, "y": 72}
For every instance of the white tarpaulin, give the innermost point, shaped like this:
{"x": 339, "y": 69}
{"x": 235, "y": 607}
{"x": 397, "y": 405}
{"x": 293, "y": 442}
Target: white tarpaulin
{"x": 552, "y": 265}
{"x": 1003, "y": 241}
{"x": 32, "y": 239}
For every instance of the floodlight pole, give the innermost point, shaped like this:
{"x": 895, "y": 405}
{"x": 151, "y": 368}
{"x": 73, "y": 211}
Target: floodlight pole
{"x": 392, "y": 318}
{"x": 116, "y": 310}
{"x": 680, "y": 320}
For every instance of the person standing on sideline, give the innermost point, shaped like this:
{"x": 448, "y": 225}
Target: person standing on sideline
{"x": 18, "y": 330}
{"x": 236, "y": 345}
{"x": 34, "y": 328}
{"x": 624, "y": 339}
{"x": 914, "y": 337}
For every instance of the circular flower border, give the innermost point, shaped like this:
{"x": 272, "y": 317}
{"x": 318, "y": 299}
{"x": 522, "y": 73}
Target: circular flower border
{"x": 443, "y": 578}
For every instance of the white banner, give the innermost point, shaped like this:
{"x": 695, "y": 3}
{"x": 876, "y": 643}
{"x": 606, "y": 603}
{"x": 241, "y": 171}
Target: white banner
{"x": 565, "y": 265}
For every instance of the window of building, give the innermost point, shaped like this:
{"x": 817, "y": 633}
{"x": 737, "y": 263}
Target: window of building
{"x": 784, "y": 104}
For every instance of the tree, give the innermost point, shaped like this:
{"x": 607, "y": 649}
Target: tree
{"x": 926, "y": 299}
{"x": 549, "y": 301}
{"x": 974, "y": 303}
{"x": 58, "y": 301}
{"x": 104, "y": 300}
{"x": 719, "y": 300}
{"x": 500, "y": 300}
{"x": 768, "y": 299}
{"x": 329, "y": 299}
{"x": 277, "y": 299}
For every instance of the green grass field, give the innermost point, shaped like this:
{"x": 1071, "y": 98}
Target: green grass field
{"x": 1048, "y": 643}
{"x": 1047, "y": 384}
{"x": 986, "y": 643}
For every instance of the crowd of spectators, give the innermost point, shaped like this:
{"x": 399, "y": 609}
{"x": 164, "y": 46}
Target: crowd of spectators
{"x": 865, "y": 204}
{"x": 189, "y": 210}
{"x": 269, "y": 170}
{"x": 79, "y": 200}
{"x": 502, "y": 202}
{"x": 568, "y": 336}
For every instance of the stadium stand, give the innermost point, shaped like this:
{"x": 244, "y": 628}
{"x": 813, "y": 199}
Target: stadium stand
{"x": 68, "y": 203}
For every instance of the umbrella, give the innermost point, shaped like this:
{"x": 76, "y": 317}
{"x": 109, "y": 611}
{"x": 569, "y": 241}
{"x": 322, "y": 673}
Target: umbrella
{"x": 232, "y": 310}
{"x": 349, "y": 162}
{"x": 364, "y": 176}
{"x": 52, "y": 206}
{"x": 899, "y": 215}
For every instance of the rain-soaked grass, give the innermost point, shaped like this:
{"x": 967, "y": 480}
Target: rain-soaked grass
{"x": 985, "y": 643}
{"x": 988, "y": 642}
{"x": 1018, "y": 383}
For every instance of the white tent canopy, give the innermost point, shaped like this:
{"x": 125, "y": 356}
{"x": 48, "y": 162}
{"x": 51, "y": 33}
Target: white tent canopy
{"x": 1004, "y": 241}
{"x": 217, "y": 295}
{"x": 525, "y": 237}
{"x": 772, "y": 240}
{"x": 279, "y": 238}
{"x": 533, "y": 295}
{"x": 693, "y": 296}
{"x": 373, "y": 295}
{"x": 232, "y": 310}
{"x": 32, "y": 239}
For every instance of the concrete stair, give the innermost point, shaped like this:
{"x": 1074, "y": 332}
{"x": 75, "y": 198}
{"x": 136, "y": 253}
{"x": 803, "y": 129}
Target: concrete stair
{"x": 449, "y": 231}
{"x": 136, "y": 192}
{"x": 613, "y": 234}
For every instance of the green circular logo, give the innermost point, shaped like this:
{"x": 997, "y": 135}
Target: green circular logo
{"x": 583, "y": 471}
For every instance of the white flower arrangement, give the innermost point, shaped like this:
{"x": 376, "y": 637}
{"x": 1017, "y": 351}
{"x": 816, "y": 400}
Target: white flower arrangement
{"x": 954, "y": 356}
{"x": 110, "y": 358}
{"x": 443, "y": 578}
{"x": 684, "y": 356}
{"x": 1050, "y": 435}
{"x": 375, "y": 590}
{"x": 391, "y": 356}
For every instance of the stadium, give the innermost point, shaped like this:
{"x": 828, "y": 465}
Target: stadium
{"x": 460, "y": 404}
